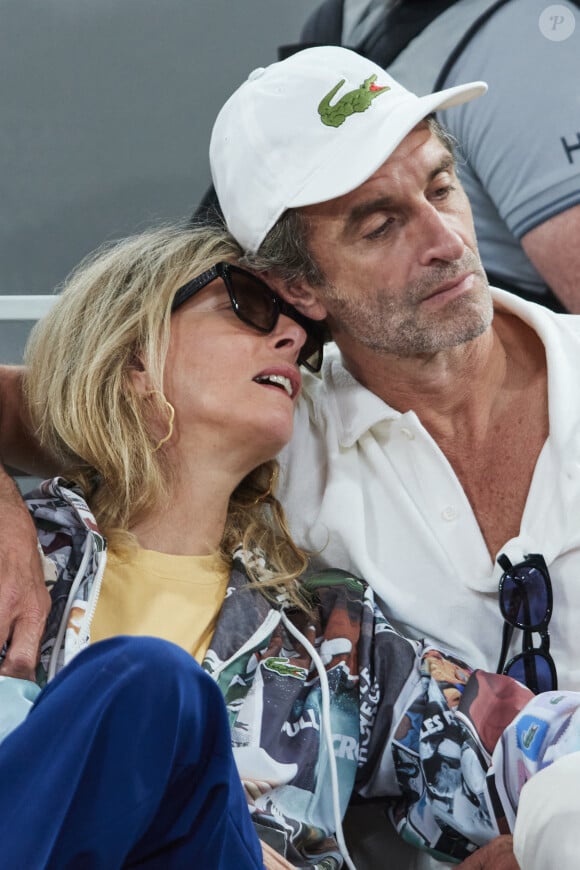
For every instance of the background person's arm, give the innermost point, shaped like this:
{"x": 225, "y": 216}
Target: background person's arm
{"x": 554, "y": 250}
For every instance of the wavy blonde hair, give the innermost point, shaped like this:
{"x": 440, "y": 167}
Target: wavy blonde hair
{"x": 113, "y": 311}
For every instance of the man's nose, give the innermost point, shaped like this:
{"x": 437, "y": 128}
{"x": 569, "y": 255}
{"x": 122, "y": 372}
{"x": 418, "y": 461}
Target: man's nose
{"x": 439, "y": 240}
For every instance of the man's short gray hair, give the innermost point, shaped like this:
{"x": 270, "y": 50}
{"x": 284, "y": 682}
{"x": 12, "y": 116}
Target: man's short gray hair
{"x": 285, "y": 251}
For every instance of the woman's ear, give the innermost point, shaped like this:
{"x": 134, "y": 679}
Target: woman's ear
{"x": 300, "y": 295}
{"x": 140, "y": 377}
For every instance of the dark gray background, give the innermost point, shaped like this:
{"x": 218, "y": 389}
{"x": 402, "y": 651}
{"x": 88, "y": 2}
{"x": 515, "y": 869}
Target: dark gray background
{"x": 107, "y": 107}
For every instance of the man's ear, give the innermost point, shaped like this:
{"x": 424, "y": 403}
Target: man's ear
{"x": 299, "y": 294}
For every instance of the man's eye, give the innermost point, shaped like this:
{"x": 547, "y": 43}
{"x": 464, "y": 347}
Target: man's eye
{"x": 381, "y": 230}
{"x": 444, "y": 191}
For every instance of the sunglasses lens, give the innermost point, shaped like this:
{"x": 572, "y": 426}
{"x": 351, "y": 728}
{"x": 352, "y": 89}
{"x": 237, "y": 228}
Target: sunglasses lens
{"x": 256, "y": 304}
{"x": 524, "y": 597}
{"x": 253, "y": 300}
{"x": 533, "y": 670}
{"x": 311, "y": 353}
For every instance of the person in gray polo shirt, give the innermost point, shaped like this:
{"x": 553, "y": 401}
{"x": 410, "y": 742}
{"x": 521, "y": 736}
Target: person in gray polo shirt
{"x": 520, "y": 148}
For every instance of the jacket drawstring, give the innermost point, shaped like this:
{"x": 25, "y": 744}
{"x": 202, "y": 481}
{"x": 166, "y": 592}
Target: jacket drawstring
{"x": 325, "y": 723}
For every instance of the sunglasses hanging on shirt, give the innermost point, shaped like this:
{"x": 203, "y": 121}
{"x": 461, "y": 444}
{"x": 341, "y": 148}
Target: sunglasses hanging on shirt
{"x": 525, "y": 600}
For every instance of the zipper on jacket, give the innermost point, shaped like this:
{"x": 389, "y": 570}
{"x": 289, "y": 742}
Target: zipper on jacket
{"x": 84, "y": 635}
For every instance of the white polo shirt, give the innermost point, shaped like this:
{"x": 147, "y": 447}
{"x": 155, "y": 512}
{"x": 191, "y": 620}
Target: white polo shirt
{"x": 370, "y": 489}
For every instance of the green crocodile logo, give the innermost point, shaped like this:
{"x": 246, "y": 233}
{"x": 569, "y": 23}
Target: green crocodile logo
{"x": 283, "y": 666}
{"x": 528, "y": 736}
{"x": 358, "y": 100}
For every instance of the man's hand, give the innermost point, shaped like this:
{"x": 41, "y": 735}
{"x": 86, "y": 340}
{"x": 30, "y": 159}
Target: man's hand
{"x": 24, "y": 599}
{"x": 273, "y": 860}
{"x": 497, "y": 855}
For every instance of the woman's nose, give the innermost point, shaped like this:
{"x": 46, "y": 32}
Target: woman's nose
{"x": 288, "y": 335}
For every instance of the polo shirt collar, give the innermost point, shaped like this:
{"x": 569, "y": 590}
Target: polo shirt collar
{"x": 561, "y": 347}
{"x": 354, "y": 409}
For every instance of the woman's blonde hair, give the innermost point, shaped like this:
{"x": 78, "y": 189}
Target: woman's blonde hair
{"x": 114, "y": 311}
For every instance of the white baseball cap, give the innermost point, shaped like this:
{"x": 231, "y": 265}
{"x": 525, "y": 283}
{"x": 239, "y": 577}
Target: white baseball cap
{"x": 308, "y": 129}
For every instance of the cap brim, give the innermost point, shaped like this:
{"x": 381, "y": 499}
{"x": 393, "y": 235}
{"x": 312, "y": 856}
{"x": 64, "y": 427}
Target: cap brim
{"x": 340, "y": 173}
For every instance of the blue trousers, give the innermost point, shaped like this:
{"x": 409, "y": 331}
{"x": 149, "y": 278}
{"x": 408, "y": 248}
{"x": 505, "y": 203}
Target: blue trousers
{"x": 125, "y": 761}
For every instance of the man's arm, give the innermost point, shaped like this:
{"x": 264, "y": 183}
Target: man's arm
{"x": 273, "y": 860}
{"x": 24, "y": 600}
{"x": 553, "y": 249}
{"x": 497, "y": 855}
{"x": 18, "y": 447}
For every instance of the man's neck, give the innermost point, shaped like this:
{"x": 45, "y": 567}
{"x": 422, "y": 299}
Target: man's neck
{"x": 458, "y": 384}
{"x": 462, "y": 389}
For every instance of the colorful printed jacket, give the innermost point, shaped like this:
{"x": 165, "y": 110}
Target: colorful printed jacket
{"x": 319, "y": 707}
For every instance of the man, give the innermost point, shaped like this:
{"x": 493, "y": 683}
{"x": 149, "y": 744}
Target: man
{"x": 444, "y": 430}
{"x": 24, "y": 600}
{"x": 521, "y": 146}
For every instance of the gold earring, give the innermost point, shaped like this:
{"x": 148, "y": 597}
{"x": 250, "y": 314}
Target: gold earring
{"x": 171, "y": 414}
{"x": 269, "y": 491}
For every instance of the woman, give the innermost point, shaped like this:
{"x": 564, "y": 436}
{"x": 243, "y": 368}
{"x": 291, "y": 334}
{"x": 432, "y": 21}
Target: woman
{"x": 165, "y": 399}
{"x": 164, "y": 381}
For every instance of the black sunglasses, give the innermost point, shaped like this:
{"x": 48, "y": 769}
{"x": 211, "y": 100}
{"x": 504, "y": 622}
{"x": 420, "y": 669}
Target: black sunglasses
{"x": 256, "y": 304}
{"x": 525, "y": 600}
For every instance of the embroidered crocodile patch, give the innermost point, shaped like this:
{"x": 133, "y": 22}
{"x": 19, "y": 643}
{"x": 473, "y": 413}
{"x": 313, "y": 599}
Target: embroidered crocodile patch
{"x": 358, "y": 100}
{"x": 284, "y": 667}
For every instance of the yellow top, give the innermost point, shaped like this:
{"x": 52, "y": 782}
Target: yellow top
{"x": 176, "y": 598}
